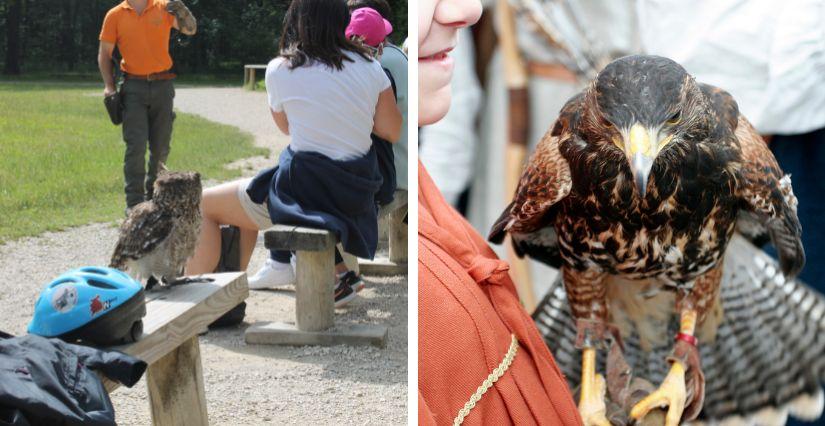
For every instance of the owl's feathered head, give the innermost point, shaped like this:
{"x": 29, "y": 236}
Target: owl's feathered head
{"x": 178, "y": 190}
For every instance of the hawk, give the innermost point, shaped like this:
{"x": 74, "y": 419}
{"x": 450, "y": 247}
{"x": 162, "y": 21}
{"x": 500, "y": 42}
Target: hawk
{"x": 635, "y": 194}
{"x": 160, "y": 235}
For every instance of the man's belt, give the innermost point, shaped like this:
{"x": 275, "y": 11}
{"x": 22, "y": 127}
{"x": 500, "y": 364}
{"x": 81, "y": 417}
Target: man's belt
{"x": 165, "y": 75}
{"x": 552, "y": 71}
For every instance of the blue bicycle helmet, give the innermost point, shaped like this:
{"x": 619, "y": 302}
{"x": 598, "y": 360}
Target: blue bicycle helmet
{"x": 98, "y": 305}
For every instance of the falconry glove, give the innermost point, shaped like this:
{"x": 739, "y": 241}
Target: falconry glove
{"x": 114, "y": 106}
{"x": 186, "y": 22}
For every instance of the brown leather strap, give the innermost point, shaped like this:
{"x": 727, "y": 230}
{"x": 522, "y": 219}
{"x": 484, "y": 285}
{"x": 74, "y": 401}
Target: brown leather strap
{"x": 165, "y": 75}
{"x": 551, "y": 71}
{"x": 519, "y": 112}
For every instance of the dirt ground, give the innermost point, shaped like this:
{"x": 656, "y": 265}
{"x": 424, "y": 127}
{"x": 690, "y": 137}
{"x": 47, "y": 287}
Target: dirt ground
{"x": 245, "y": 384}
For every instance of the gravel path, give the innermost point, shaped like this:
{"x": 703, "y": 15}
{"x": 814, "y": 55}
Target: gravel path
{"x": 244, "y": 384}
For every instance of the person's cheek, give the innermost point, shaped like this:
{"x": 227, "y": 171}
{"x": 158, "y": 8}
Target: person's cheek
{"x": 426, "y": 13}
{"x": 433, "y": 102}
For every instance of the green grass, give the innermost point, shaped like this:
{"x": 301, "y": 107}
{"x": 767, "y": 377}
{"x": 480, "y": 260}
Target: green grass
{"x": 61, "y": 159}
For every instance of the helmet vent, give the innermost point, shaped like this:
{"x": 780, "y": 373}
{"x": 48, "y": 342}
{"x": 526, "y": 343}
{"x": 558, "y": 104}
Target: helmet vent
{"x": 101, "y": 284}
{"x": 57, "y": 282}
{"x": 94, "y": 270}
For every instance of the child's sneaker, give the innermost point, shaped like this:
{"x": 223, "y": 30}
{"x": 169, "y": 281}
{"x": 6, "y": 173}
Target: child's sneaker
{"x": 343, "y": 293}
{"x": 353, "y": 280}
{"x": 272, "y": 275}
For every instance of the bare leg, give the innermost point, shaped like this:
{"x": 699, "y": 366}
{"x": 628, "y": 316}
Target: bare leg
{"x": 341, "y": 268}
{"x": 220, "y": 206}
{"x": 248, "y": 239}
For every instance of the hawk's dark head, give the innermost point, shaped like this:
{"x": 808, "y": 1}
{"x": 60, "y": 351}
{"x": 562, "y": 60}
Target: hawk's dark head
{"x": 644, "y": 106}
{"x": 178, "y": 191}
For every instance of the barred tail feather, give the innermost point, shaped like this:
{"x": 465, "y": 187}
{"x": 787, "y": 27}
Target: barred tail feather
{"x": 767, "y": 360}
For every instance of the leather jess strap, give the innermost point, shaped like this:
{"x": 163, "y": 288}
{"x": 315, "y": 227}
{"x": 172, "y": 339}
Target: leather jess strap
{"x": 552, "y": 71}
{"x": 165, "y": 75}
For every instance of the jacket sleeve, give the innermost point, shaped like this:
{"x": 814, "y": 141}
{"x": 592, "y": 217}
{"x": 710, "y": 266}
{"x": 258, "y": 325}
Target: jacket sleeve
{"x": 115, "y": 365}
{"x": 258, "y": 189}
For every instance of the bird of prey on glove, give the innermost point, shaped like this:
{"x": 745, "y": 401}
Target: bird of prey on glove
{"x": 635, "y": 194}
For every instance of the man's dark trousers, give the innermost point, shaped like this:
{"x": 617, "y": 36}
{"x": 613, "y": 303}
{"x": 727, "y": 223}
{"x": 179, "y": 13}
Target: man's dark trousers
{"x": 147, "y": 118}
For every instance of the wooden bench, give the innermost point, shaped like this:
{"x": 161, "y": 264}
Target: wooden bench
{"x": 314, "y": 310}
{"x": 391, "y": 217}
{"x": 169, "y": 344}
{"x": 249, "y": 75}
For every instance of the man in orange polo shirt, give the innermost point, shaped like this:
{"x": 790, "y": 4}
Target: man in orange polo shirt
{"x": 140, "y": 29}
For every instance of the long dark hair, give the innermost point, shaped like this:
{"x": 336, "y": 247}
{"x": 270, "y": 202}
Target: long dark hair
{"x": 314, "y": 30}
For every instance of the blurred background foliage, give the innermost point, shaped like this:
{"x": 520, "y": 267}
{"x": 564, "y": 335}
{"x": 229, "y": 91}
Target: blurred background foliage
{"x": 60, "y": 37}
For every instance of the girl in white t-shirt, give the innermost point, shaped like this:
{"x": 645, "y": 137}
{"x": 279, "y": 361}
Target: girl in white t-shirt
{"x": 327, "y": 94}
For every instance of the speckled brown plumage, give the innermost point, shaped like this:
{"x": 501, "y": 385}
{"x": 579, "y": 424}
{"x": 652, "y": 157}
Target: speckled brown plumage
{"x": 586, "y": 202}
{"x": 159, "y": 235}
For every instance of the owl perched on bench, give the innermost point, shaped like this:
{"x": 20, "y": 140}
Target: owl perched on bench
{"x": 159, "y": 235}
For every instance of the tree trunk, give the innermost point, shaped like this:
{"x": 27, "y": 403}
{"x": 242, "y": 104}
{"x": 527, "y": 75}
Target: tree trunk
{"x": 68, "y": 51}
{"x": 13, "y": 14}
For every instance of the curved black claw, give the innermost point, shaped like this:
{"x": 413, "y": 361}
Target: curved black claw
{"x": 192, "y": 280}
{"x": 151, "y": 283}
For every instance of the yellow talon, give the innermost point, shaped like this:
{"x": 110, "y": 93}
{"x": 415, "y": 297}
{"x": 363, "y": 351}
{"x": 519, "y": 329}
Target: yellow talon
{"x": 671, "y": 393}
{"x": 591, "y": 402}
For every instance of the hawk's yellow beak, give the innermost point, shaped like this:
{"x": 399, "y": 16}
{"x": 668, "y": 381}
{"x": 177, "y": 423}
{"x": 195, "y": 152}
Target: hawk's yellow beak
{"x": 642, "y": 146}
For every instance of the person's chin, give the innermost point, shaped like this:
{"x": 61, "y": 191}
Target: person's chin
{"x": 433, "y": 106}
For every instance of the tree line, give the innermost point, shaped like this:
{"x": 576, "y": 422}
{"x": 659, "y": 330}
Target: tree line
{"x": 62, "y": 35}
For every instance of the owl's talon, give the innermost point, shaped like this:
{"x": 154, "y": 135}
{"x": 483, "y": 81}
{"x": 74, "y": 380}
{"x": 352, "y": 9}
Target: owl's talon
{"x": 671, "y": 394}
{"x": 151, "y": 283}
{"x": 192, "y": 280}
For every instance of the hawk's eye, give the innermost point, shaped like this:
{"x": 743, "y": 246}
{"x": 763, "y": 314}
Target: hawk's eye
{"x": 674, "y": 119}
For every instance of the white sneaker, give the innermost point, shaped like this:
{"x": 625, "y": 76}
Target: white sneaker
{"x": 272, "y": 275}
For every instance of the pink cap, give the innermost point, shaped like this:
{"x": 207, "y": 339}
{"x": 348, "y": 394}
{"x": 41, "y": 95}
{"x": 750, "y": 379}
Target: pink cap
{"x": 366, "y": 22}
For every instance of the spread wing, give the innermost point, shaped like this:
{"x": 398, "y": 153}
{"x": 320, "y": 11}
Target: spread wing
{"x": 141, "y": 233}
{"x": 769, "y": 205}
{"x": 545, "y": 181}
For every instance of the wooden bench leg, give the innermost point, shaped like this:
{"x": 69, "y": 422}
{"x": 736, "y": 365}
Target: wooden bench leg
{"x": 314, "y": 307}
{"x": 314, "y": 289}
{"x": 176, "y": 392}
{"x": 398, "y": 236}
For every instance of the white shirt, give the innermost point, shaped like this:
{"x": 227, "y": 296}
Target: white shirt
{"x": 769, "y": 54}
{"x": 329, "y": 111}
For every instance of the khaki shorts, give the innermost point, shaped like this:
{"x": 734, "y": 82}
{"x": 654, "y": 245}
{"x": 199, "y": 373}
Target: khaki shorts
{"x": 257, "y": 212}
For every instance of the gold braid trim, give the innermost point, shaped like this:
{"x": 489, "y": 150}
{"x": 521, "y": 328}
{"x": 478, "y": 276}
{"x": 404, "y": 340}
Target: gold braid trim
{"x": 489, "y": 381}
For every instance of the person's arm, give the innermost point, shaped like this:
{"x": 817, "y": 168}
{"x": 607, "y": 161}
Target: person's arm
{"x": 387, "y": 120}
{"x": 184, "y": 21}
{"x": 276, "y": 108}
{"x": 281, "y": 121}
{"x": 104, "y": 62}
